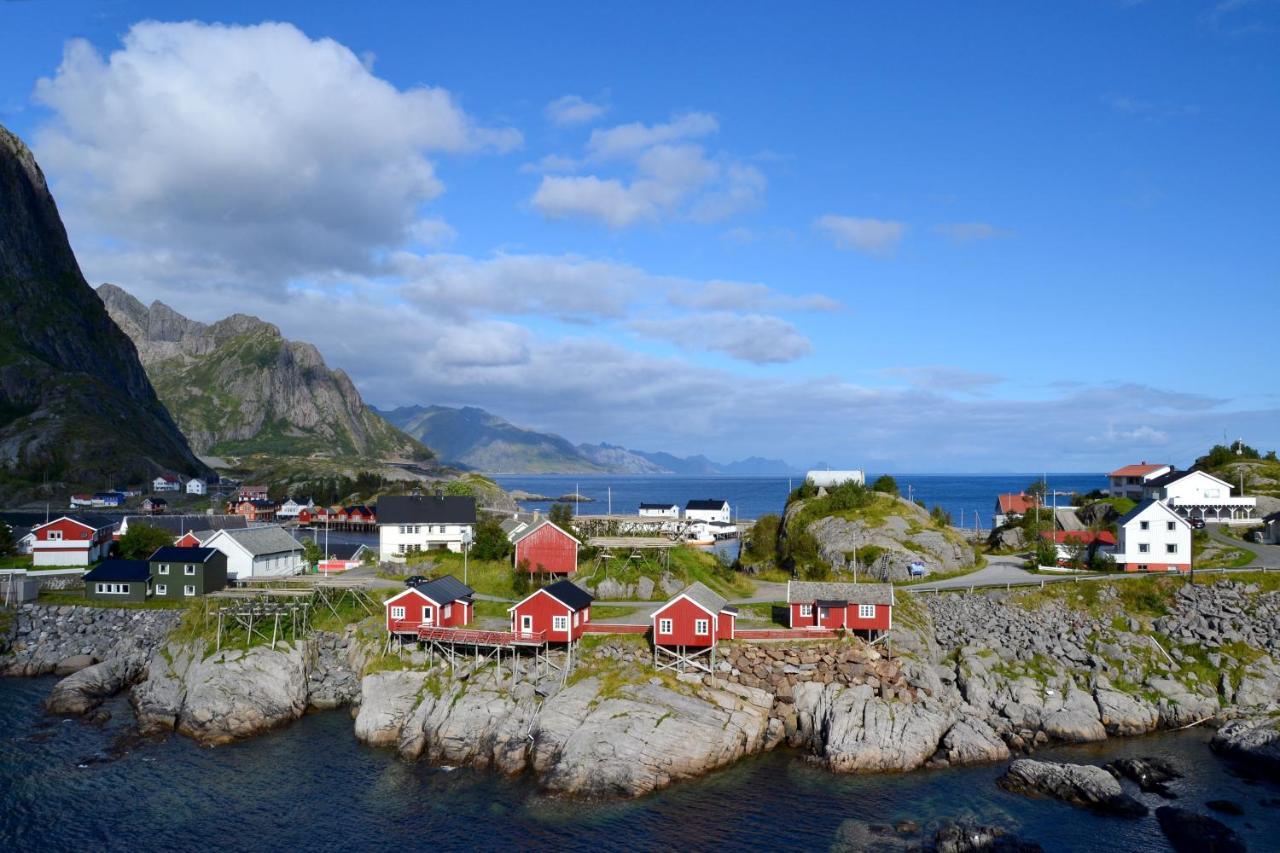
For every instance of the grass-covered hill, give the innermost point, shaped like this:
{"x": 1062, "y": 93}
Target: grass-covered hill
{"x": 1260, "y": 471}
{"x": 238, "y": 388}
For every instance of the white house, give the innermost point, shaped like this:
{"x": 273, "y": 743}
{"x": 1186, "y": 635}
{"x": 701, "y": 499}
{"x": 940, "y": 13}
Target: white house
{"x": 1128, "y": 482}
{"x": 710, "y": 509}
{"x": 166, "y": 483}
{"x": 258, "y": 552}
{"x": 410, "y": 523}
{"x": 1153, "y": 538}
{"x": 1195, "y": 494}
{"x": 827, "y": 479}
{"x": 72, "y": 540}
{"x": 660, "y": 510}
{"x": 196, "y": 486}
{"x": 291, "y": 508}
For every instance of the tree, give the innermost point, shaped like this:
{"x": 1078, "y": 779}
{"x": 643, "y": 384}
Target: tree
{"x": 761, "y": 543}
{"x": 1046, "y": 553}
{"x": 886, "y": 484}
{"x": 561, "y": 515}
{"x": 520, "y": 580}
{"x": 1037, "y": 489}
{"x": 311, "y": 553}
{"x": 491, "y": 542}
{"x": 142, "y": 540}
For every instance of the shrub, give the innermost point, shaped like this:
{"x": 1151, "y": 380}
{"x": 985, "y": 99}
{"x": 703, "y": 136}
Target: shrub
{"x": 886, "y": 485}
{"x": 761, "y": 544}
{"x": 490, "y": 542}
{"x": 142, "y": 540}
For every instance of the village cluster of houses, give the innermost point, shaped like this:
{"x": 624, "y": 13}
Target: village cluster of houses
{"x": 1154, "y": 536}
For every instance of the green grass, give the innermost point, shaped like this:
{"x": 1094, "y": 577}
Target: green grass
{"x": 605, "y": 612}
{"x": 491, "y": 610}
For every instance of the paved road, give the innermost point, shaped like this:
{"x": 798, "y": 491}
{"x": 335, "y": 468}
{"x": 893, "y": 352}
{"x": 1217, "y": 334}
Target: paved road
{"x": 1264, "y": 555}
{"x": 997, "y": 572}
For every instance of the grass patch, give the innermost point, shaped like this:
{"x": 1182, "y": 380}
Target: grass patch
{"x": 605, "y": 612}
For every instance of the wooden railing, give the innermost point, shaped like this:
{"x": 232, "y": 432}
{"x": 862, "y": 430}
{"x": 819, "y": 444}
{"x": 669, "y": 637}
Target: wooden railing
{"x": 472, "y": 637}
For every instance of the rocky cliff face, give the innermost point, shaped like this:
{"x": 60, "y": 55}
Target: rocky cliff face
{"x": 75, "y": 404}
{"x": 238, "y": 387}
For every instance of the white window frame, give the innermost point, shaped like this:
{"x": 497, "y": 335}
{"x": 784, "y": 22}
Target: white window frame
{"x": 189, "y": 589}
{"x": 806, "y": 610}
{"x": 397, "y": 611}
{"x": 664, "y": 626}
{"x": 162, "y": 589}
{"x": 163, "y": 570}
{"x": 1171, "y": 525}
{"x": 1144, "y": 525}
{"x": 55, "y": 535}
{"x": 1144, "y": 548}
{"x": 866, "y": 611}
{"x": 559, "y": 623}
{"x": 448, "y": 611}
{"x": 1171, "y": 548}
{"x": 189, "y": 570}
{"x": 428, "y": 614}
{"x": 701, "y": 627}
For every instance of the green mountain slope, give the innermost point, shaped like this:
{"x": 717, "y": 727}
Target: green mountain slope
{"x": 238, "y": 388}
{"x": 76, "y": 408}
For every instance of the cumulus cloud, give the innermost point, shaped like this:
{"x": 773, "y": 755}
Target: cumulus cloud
{"x": 741, "y": 296}
{"x": 573, "y": 110}
{"x": 1142, "y": 435}
{"x": 659, "y": 173}
{"x": 876, "y": 237}
{"x": 250, "y": 154}
{"x": 969, "y": 232}
{"x": 943, "y": 378}
{"x": 752, "y": 337}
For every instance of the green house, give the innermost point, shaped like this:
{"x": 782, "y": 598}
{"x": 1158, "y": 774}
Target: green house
{"x": 178, "y": 573}
{"x": 119, "y": 580}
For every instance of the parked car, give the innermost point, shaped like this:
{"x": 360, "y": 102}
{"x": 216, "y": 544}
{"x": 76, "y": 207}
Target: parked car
{"x": 1196, "y": 523}
{"x": 414, "y": 580}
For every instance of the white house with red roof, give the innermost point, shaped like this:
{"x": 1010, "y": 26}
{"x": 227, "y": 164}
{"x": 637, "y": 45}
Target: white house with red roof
{"x": 72, "y": 540}
{"x": 1128, "y": 482}
{"x": 1010, "y": 507}
{"x": 166, "y": 483}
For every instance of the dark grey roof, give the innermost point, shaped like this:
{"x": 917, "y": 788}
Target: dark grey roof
{"x": 708, "y": 503}
{"x": 179, "y": 524}
{"x": 537, "y": 525}
{"x": 119, "y": 570}
{"x": 264, "y": 540}
{"x": 569, "y": 594}
{"x": 445, "y": 589}
{"x": 97, "y": 522}
{"x": 1164, "y": 479}
{"x": 174, "y": 554}
{"x": 432, "y": 509}
{"x": 703, "y": 595}
{"x": 1142, "y": 507}
{"x": 1275, "y": 516}
{"x": 510, "y": 525}
{"x": 806, "y": 592}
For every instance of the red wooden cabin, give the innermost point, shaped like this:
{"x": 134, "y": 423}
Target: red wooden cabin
{"x": 72, "y": 540}
{"x": 443, "y": 603}
{"x": 547, "y": 548}
{"x": 187, "y": 540}
{"x": 559, "y": 612}
{"x": 853, "y": 606}
{"x": 696, "y": 617}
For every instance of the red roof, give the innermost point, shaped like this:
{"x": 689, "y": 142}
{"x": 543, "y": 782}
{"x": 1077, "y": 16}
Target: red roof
{"x": 1019, "y": 503}
{"x": 1139, "y": 470}
{"x": 1084, "y": 537}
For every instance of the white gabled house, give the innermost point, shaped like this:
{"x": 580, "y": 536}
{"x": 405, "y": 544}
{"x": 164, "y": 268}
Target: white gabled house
{"x": 412, "y": 523}
{"x": 257, "y": 552}
{"x": 709, "y": 509}
{"x": 1195, "y": 494}
{"x": 1129, "y": 481}
{"x": 166, "y": 483}
{"x": 1152, "y": 537}
{"x": 656, "y": 510}
{"x": 197, "y": 486}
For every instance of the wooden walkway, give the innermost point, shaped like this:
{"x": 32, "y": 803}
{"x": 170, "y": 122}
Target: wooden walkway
{"x": 471, "y": 637}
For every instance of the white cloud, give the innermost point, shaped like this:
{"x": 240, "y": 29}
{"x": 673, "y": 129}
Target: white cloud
{"x": 1142, "y": 435}
{"x": 870, "y": 236}
{"x": 630, "y": 140}
{"x": 432, "y": 233}
{"x": 969, "y": 232}
{"x": 739, "y": 296}
{"x": 752, "y": 337}
{"x": 249, "y": 154}
{"x": 610, "y": 201}
{"x": 943, "y": 378}
{"x": 573, "y": 110}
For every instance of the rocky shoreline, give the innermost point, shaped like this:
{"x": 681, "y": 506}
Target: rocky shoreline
{"x": 962, "y": 679}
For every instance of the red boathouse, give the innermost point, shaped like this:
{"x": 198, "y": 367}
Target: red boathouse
{"x": 441, "y": 603}
{"x": 852, "y": 606}
{"x": 688, "y": 627}
{"x": 558, "y": 612}
{"x": 546, "y": 548}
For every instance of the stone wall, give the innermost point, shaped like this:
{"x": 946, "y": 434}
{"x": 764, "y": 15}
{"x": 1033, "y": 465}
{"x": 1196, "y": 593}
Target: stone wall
{"x": 65, "y": 638}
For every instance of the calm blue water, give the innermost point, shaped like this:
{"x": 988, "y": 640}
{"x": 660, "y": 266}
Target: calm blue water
{"x": 751, "y": 497}
{"x": 68, "y": 785}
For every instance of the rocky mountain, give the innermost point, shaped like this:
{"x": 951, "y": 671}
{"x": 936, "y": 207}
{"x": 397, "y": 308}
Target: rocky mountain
{"x": 476, "y": 439}
{"x": 238, "y": 387}
{"x": 473, "y": 438}
{"x": 76, "y": 407}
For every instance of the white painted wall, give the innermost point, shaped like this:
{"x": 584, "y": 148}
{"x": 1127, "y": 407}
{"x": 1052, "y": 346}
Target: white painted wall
{"x": 1156, "y": 527}
{"x": 721, "y": 515}
{"x": 396, "y": 540}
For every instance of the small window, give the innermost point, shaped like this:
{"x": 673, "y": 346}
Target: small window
{"x": 162, "y": 589}
{"x": 397, "y": 612}
{"x": 189, "y": 589}
{"x": 1171, "y": 548}
{"x": 702, "y": 627}
{"x": 1144, "y": 525}
{"x": 55, "y": 535}
{"x": 164, "y": 569}
{"x": 1144, "y": 548}
{"x": 866, "y": 611}
{"x": 806, "y": 609}
{"x": 188, "y": 570}
{"x": 664, "y": 626}
{"x": 560, "y": 623}
{"x": 1171, "y": 525}
{"x": 448, "y": 611}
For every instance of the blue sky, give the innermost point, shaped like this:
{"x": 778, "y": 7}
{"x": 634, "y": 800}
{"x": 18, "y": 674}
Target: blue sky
{"x": 915, "y": 237}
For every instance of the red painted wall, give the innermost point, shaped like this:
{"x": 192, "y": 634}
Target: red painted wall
{"x": 188, "y": 540}
{"x": 549, "y": 550}
{"x": 683, "y": 613}
{"x": 798, "y": 621}
{"x": 1158, "y": 567}
{"x": 541, "y": 607}
{"x": 843, "y": 618}
{"x": 71, "y": 532}
{"x": 416, "y": 608}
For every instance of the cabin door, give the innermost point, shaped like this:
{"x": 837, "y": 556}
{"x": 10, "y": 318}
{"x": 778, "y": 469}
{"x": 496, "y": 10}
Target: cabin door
{"x": 526, "y": 624}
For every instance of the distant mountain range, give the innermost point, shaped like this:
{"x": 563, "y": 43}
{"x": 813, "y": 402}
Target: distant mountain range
{"x": 473, "y": 438}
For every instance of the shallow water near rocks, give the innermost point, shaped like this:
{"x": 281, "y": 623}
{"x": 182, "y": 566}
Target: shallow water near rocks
{"x": 72, "y": 785}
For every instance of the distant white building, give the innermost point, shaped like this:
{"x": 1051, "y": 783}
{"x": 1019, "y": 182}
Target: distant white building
{"x": 291, "y": 508}
{"x": 660, "y": 510}
{"x": 1195, "y": 494}
{"x": 1128, "y": 482}
{"x": 1153, "y": 538}
{"x": 196, "y": 486}
{"x": 827, "y": 479}
{"x": 710, "y": 509}
{"x": 166, "y": 483}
